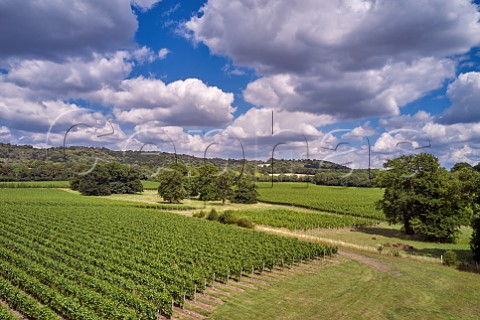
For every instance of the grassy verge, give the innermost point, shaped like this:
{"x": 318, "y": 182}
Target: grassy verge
{"x": 353, "y": 290}
{"x": 383, "y": 233}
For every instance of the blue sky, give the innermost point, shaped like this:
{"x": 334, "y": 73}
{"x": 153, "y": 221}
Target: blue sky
{"x": 142, "y": 74}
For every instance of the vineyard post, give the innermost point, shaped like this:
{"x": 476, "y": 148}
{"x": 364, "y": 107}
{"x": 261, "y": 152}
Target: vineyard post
{"x": 195, "y": 293}
{"x": 241, "y": 270}
{"x": 282, "y": 264}
{"x": 213, "y": 280}
{"x": 252, "y": 269}
{"x": 204, "y": 283}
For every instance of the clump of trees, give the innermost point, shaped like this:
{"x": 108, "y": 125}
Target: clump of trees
{"x": 208, "y": 183}
{"x": 427, "y": 199}
{"x": 108, "y": 178}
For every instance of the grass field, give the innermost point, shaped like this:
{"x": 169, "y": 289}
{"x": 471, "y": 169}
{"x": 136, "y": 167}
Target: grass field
{"x": 352, "y": 201}
{"x": 397, "y": 289}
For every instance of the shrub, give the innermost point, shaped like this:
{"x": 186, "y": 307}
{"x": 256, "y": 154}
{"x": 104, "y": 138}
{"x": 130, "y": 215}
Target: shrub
{"x": 200, "y": 214}
{"x": 212, "y": 215}
{"x": 450, "y": 258}
{"x": 245, "y": 223}
{"x": 228, "y": 217}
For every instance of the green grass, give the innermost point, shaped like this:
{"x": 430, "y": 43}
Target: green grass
{"x": 352, "y": 290}
{"x": 150, "y": 184}
{"x": 352, "y": 201}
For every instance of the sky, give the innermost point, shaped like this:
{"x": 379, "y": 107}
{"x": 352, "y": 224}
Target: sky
{"x": 332, "y": 80}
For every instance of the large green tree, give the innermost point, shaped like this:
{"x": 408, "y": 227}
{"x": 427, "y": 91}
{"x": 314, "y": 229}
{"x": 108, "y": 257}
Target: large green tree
{"x": 206, "y": 182}
{"x": 171, "y": 187}
{"x": 424, "y": 197}
{"x": 224, "y": 183}
{"x": 245, "y": 192}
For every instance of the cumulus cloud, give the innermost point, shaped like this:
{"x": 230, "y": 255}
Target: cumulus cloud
{"x": 352, "y": 94}
{"x": 52, "y": 29}
{"x": 257, "y": 124}
{"x": 464, "y": 93}
{"x": 360, "y": 132}
{"x": 72, "y": 77}
{"x": 187, "y": 102}
{"x": 348, "y": 58}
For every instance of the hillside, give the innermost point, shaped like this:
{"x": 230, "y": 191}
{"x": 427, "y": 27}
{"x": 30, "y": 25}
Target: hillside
{"x": 24, "y": 162}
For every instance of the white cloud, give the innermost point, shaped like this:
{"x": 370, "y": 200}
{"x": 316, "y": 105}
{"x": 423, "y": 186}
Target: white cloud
{"x": 72, "y": 77}
{"x": 351, "y": 94}
{"x": 145, "y": 5}
{"x": 5, "y": 134}
{"x": 464, "y": 93}
{"x": 360, "y": 132}
{"x": 52, "y": 29}
{"x": 144, "y": 54}
{"x": 187, "y": 102}
{"x": 350, "y": 58}
{"x": 163, "y": 53}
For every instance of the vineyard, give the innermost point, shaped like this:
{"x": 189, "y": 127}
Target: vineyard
{"x": 65, "y": 256}
{"x": 35, "y": 184}
{"x": 358, "y": 202}
{"x": 296, "y": 220}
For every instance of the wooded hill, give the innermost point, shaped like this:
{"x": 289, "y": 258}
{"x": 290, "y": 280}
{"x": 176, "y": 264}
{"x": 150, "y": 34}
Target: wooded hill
{"x": 24, "y": 162}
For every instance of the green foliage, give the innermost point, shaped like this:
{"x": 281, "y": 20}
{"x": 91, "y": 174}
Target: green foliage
{"x": 206, "y": 182}
{"x": 459, "y": 166}
{"x": 347, "y": 178}
{"x": 244, "y": 222}
{"x": 171, "y": 186}
{"x": 228, "y": 217}
{"x": 213, "y": 215}
{"x": 96, "y": 182}
{"x": 201, "y": 214}
{"x": 245, "y": 192}
{"x": 475, "y": 241}
{"x": 71, "y": 257}
{"x": 105, "y": 179}
{"x": 224, "y": 184}
{"x": 450, "y": 258}
{"x": 424, "y": 197}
